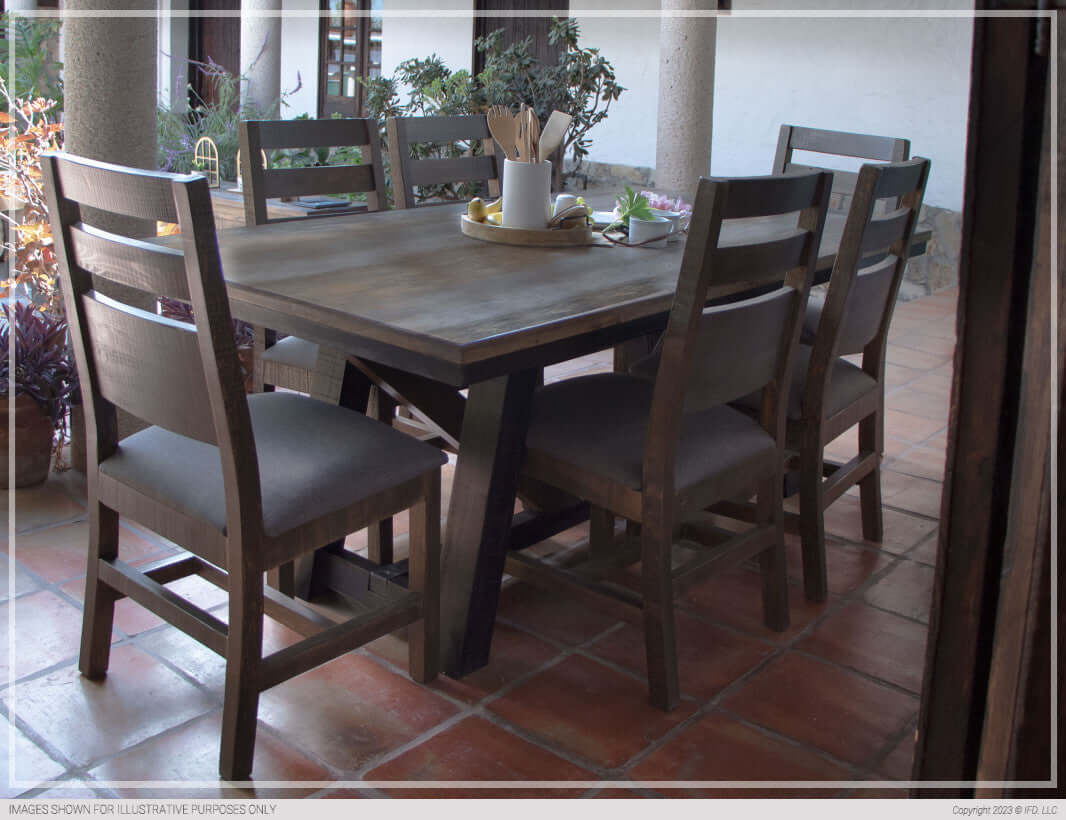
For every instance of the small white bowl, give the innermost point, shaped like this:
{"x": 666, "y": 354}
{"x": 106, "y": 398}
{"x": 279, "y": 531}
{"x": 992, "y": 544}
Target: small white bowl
{"x": 674, "y": 218}
{"x": 643, "y": 230}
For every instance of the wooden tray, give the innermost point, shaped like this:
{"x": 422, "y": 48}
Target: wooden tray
{"x": 547, "y": 238}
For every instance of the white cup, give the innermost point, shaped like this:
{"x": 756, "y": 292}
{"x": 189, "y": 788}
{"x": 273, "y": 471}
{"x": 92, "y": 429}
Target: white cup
{"x": 564, "y": 201}
{"x": 643, "y": 230}
{"x": 674, "y": 218}
{"x": 526, "y": 194}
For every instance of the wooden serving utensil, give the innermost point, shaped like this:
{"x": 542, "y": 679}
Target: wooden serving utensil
{"x": 502, "y": 127}
{"x": 534, "y": 136}
{"x": 554, "y": 131}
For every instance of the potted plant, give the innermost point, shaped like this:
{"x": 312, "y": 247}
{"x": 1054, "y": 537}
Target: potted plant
{"x": 45, "y": 378}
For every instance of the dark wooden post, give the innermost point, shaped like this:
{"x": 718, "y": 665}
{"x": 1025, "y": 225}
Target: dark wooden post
{"x": 997, "y": 275}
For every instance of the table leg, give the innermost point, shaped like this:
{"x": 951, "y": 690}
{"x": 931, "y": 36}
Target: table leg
{"x": 476, "y": 535}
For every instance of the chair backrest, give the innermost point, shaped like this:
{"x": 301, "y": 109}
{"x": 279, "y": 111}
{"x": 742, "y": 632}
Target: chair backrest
{"x": 868, "y": 270}
{"x": 410, "y": 171}
{"x": 713, "y": 355}
{"x": 183, "y": 377}
{"x": 261, "y": 184}
{"x": 836, "y": 143}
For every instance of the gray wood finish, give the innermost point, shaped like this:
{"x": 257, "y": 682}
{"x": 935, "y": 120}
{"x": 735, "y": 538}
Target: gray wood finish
{"x": 407, "y": 290}
{"x": 756, "y": 336}
{"x": 855, "y": 318}
{"x": 837, "y": 143}
{"x": 409, "y": 172}
{"x": 187, "y": 378}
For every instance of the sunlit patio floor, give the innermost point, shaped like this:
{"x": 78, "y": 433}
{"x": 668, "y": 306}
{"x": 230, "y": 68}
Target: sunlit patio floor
{"x": 563, "y": 699}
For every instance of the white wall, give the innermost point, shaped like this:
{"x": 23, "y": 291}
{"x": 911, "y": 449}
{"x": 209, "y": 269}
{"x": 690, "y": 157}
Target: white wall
{"x": 299, "y": 57}
{"x": 426, "y": 31}
{"x": 900, "y": 77}
{"x": 906, "y": 77}
{"x": 173, "y": 37}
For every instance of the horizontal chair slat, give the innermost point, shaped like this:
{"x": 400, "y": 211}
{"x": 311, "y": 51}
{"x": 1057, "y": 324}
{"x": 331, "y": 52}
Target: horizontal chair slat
{"x": 146, "y": 197}
{"x": 150, "y": 268}
{"x": 763, "y": 196}
{"x": 865, "y": 146}
{"x": 882, "y": 232}
{"x": 456, "y": 169}
{"x": 899, "y": 179}
{"x": 760, "y": 261}
{"x": 150, "y": 366}
{"x": 444, "y": 129}
{"x": 311, "y": 133}
{"x": 323, "y": 180}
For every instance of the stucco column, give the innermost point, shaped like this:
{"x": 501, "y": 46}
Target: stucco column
{"x": 109, "y": 71}
{"x": 261, "y": 56}
{"x": 686, "y": 96}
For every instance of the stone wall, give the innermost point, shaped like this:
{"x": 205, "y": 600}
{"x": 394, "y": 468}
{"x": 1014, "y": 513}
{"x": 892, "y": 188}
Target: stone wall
{"x": 935, "y": 270}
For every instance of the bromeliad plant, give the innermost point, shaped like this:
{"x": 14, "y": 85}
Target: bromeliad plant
{"x": 44, "y": 368}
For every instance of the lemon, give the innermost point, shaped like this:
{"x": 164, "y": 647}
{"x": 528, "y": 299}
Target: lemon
{"x": 495, "y": 218}
{"x": 476, "y": 209}
{"x": 494, "y": 207}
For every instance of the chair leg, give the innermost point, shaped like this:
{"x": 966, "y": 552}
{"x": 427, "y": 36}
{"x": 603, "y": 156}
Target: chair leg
{"x": 244, "y": 650}
{"x": 770, "y": 513}
{"x": 601, "y": 532}
{"x": 871, "y": 440}
{"x": 812, "y": 524}
{"x": 99, "y": 613}
{"x": 660, "y": 638}
{"x": 423, "y": 636}
{"x": 380, "y": 406}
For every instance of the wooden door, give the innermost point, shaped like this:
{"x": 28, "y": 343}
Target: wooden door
{"x": 517, "y": 28}
{"x": 349, "y": 48}
{"x": 213, "y": 39}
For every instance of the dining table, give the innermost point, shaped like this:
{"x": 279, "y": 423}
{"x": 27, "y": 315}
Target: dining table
{"x": 434, "y": 313}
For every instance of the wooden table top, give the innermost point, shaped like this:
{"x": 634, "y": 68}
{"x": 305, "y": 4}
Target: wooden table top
{"x": 408, "y": 289}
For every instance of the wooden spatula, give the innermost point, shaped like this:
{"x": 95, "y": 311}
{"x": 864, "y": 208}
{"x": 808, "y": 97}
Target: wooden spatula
{"x": 554, "y": 131}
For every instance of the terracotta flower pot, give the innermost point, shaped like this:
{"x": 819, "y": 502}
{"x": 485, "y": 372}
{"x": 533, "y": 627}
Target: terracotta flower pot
{"x": 33, "y": 442}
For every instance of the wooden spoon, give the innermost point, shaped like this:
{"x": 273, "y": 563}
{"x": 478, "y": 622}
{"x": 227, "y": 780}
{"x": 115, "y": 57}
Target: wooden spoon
{"x": 534, "y": 136}
{"x": 554, "y": 131}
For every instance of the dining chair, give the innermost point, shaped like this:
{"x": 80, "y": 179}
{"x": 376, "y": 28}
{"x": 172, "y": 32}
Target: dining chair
{"x": 793, "y": 138}
{"x": 290, "y": 362}
{"x": 409, "y": 171}
{"x": 243, "y": 483}
{"x": 656, "y": 446}
{"x": 829, "y": 395}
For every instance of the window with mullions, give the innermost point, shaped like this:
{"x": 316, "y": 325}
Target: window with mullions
{"x": 350, "y": 47}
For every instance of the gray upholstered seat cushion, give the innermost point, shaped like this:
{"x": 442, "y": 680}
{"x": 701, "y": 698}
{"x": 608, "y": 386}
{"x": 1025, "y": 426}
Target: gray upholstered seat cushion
{"x": 847, "y": 384}
{"x": 314, "y": 458}
{"x": 597, "y": 423}
{"x": 293, "y": 351}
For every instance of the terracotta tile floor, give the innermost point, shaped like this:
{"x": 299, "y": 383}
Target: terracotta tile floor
{"x": 835, "y": 698}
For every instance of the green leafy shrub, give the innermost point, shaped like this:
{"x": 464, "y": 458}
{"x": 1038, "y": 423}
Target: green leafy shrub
{"x": 582, "y": 83}
{"x": 219, "y": 119}
{"x": 36, "y": 71}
